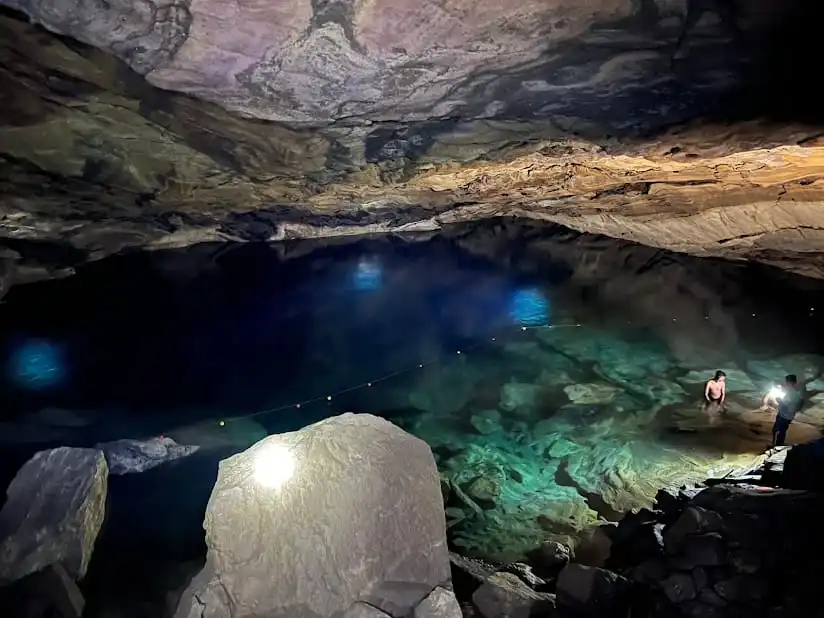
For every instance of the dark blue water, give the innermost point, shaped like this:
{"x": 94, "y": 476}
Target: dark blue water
{"x": 564, "y": 371}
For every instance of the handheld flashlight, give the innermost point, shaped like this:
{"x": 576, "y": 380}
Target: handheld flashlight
{"x": 776, "y": 392}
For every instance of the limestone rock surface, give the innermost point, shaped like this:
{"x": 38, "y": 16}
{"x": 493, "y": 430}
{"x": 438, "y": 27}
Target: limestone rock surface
{"x": 168, "y": 123}
{"x": 310, "y": 523}
{"x": 53, "y": 513}
{"x": 131, "y": 456}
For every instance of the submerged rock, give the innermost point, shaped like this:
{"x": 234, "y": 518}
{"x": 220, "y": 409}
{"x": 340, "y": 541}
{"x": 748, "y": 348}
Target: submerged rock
{"x": 486, "y": 422}
{"x": 232, "y": 432}
{"x": 53, "y": 514}
{"x": 446, "y": 391}
{"x": 131, "y": 456}
{"x": 806, "y": 366}
{"x": 308, "y": 523}
{"x": 520, "y": 396}
{"x": 596, "y": 392}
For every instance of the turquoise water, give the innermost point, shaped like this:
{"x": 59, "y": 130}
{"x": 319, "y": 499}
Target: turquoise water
{"x": 557, "y": 377}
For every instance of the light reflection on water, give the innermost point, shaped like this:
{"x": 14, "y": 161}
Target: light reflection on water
{"x": 541, "y": 431}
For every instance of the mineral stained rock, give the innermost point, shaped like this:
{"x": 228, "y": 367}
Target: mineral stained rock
{"x": 54, "y": 510}
{"x": 310, "y": 523}
{"x": 132, "y": 456}
{"x": 173, "y": 122}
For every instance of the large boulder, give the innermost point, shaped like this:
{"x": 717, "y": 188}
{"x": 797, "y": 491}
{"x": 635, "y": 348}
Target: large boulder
{"x": 804, "y": 467}
{"x": 53, "y": 514}
{"x": 312, "y": 523}
{"x": 591, "y": 588}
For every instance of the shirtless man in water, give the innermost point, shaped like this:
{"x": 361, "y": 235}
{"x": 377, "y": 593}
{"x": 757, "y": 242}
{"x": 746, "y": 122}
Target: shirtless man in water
{"x": 715, "y": 392}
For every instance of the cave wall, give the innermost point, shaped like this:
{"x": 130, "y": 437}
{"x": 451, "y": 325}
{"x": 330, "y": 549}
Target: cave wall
{"x": 157, "y": 124}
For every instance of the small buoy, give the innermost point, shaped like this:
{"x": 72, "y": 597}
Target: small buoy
{"x": 421, "y": 365}
{"x": 493, "y": 339}
{"x": 459, "y": 351}
{"x": 329, "y": 398}
{"x": 523, "y": 327}
{"x": 368, "y": 384}
{"x": 297, "y": 406}
{"x": 221, "y": 423}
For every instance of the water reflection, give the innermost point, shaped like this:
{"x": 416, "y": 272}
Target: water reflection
{"x": 368, "y": 274}
{"x": 529, "y": 307}
{"x": 36, "y": 364}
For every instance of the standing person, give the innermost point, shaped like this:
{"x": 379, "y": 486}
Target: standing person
{"x": 715, "y": 392}
{"x": 788, "y": 401}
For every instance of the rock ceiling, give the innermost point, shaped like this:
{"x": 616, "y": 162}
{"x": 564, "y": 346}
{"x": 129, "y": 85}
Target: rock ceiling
{"x": 677, "y": 124}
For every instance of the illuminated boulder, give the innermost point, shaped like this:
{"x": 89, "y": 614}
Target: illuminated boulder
{"x": 53, "y": 513}
{"x": 321, "y": 521}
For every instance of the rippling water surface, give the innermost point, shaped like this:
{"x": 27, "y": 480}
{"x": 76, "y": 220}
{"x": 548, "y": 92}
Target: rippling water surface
{"x": 557, "y": 377}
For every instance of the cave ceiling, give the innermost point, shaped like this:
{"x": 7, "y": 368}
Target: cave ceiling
{"x": 690, "y": 126}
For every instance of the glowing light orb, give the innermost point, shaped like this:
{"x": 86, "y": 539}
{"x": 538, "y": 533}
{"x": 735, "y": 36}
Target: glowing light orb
{"x": 274, "y": 465}
{"x": 368, "y": 275}
{"x": 776, "y": 392}
{"x": 37, "y": 364}
{"x": 529, "y": 307}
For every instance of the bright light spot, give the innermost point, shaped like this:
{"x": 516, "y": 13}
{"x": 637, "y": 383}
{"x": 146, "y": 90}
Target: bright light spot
{"x": 274, "y": 465}
{"x": 368, "y": 275}
{"x": 776, "y": 392}
{"x": 37, "y": 365}
{"x": 529, "y": 307}
{"x": 221, "y": 423}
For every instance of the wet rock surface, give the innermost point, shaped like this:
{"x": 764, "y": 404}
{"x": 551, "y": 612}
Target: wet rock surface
{"x": 53, "y": 513}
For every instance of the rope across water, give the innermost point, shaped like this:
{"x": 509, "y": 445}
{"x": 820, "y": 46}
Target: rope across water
{"x": 382, "y": 378}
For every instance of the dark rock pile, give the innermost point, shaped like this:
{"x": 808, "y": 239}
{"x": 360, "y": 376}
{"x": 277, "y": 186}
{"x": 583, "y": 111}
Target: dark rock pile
{"x": 727, "y": 549}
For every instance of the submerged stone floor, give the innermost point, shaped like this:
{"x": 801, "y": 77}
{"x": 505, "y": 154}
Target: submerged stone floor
{"x": 554, "y": 430}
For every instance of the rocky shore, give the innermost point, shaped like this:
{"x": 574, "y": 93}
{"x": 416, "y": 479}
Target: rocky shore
{"x": 346, "y": 518}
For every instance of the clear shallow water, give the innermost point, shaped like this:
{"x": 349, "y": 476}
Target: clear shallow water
{"x": 539, "y": 432}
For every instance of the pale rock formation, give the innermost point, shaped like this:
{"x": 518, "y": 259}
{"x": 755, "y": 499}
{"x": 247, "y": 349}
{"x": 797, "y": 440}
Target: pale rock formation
{"x": 54, "y": 511}
{"x": 313, "y": 523}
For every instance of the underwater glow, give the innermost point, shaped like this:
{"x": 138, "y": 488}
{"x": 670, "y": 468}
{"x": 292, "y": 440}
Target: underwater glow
{"x": 37, "y": 364}
{"x": 274, "y": 465}
{"x": 368, "y": 275}
{"x": 529, "y": 307}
